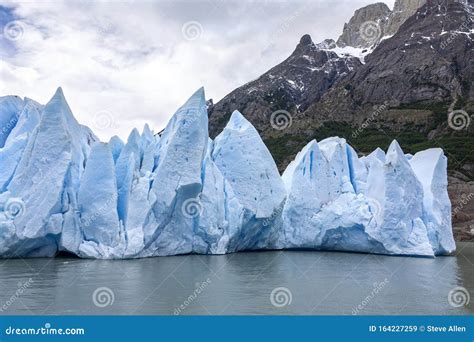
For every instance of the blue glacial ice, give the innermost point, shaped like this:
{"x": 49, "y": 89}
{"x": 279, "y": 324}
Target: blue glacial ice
{"x": 61, "y": 189}
{"x": 247, "y": 165}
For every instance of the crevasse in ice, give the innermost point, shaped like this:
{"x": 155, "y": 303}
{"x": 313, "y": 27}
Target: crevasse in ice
{"x": 61, "y": 189}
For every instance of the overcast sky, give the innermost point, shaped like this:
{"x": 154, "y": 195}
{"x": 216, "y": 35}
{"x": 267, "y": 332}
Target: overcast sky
{"x": 126, "y": 63}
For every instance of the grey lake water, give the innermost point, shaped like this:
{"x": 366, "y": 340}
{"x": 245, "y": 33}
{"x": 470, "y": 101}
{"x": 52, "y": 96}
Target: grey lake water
{"x": 275, "y": 282}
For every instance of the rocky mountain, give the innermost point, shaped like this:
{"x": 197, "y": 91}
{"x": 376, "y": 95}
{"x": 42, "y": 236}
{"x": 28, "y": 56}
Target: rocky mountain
{"x": 366, "y": 26}
{"x": 414, "y": 83}
{"x": 292, "y": 85}
{"x": 371, "y": 24}
{"x": 402, "y": 10}
{"x": 419, "y": 56}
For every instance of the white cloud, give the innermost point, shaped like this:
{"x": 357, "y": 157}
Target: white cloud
{"x": 130, "y": 58}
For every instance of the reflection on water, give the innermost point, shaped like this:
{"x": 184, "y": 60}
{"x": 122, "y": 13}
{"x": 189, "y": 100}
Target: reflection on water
{"x": 290, "y": 282}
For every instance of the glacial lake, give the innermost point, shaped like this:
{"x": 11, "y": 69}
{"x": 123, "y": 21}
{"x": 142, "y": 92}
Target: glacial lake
{"x": 274, "y": 283}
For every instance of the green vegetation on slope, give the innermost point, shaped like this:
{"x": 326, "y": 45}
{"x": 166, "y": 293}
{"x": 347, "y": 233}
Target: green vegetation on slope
{"x": 458, "y": 147}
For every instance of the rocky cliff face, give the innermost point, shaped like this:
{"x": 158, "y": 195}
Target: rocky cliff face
{"x": 365, "y": 28}
{"x": 461, "y": 193}
{"x": 291, "y": 86}
{"x": 429, "y": 60}
{"x": 402, "y": 10}
{"x": 372, "y": 23}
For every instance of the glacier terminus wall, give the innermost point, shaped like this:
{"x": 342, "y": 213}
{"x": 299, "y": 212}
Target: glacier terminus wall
{"x": 61, "y": 189}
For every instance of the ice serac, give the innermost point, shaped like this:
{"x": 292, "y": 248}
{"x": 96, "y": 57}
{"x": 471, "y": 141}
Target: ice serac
{"x": 140, "y": 212}
{"x": 177, "y": 181}
{"x": 97, "y": 199}
{"x": 323, "y": 210}
{"x": 10, "y": 109}
{"x": 116, "y": 144}
{"x": 430, "y": 168}
{"x": 339, "y": 179}
{"x": 306, "y": 194}
{"x": 358, "y": 171}
{"x": 61, "y": 189}
{"x": 248, "y": 166}
{"x": 47, "y": 176}
{"x": 396, "y": 198}
{"x": 10, "y": 154}
{"x": 127, "y": 163}
{"x": 221, "y": 212}
{"x": 374, "y": 204}
{"x": 287, "y": 175}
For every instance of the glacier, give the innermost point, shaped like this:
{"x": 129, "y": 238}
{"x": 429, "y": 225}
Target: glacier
{"x": 63, "y": 190}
